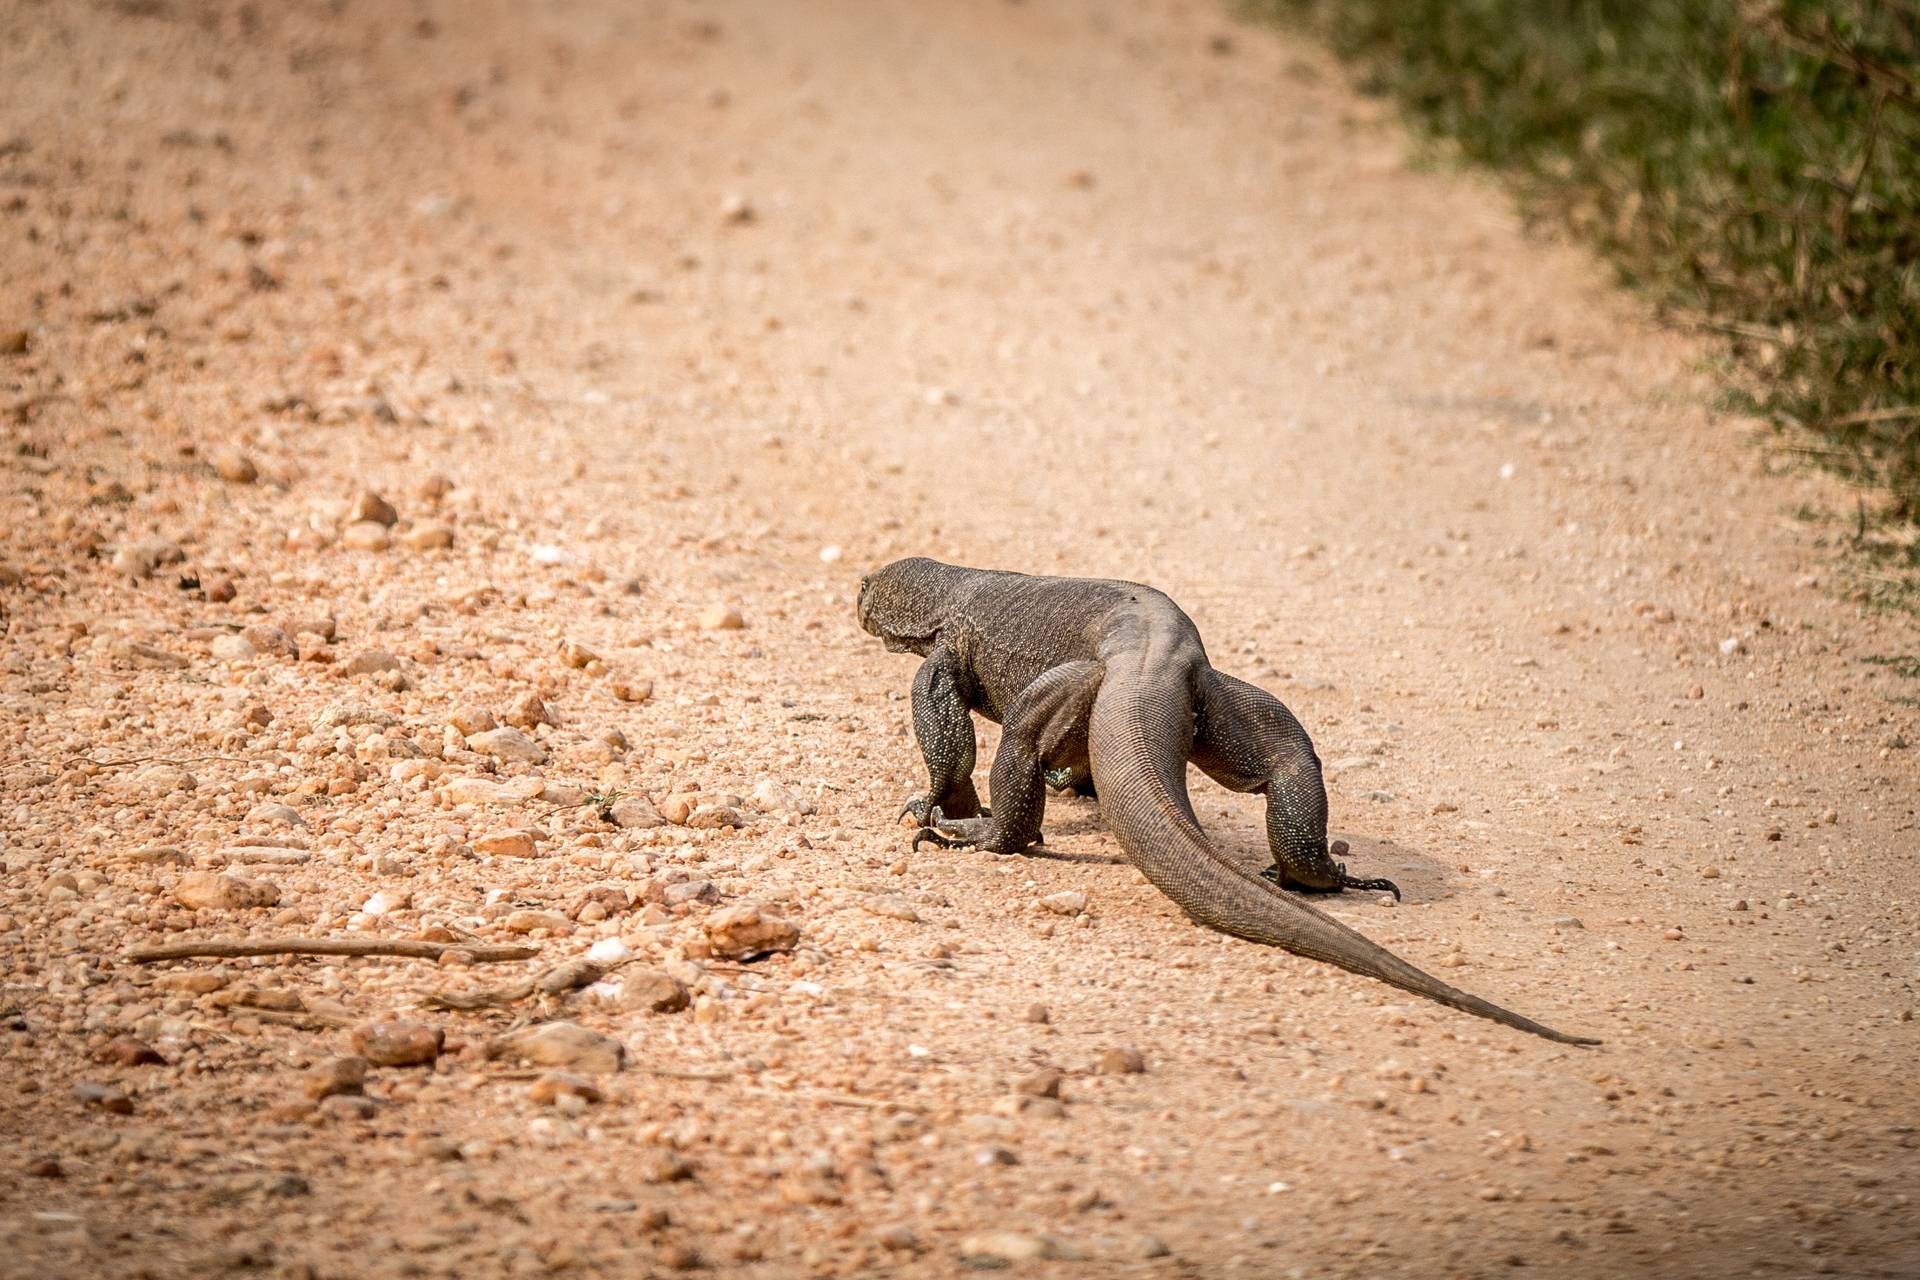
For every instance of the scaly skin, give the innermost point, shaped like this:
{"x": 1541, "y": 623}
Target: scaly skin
{"x": 1106, "y": 683}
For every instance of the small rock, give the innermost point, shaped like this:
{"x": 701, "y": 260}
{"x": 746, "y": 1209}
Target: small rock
{"x": 660, "y": 1166}
{"x": 1151, "y": 1247}
{"x": 345, "y": 1074}
{"x": 656, "y": 992}
{"x": 528, "y": 710}
{"x": 509, "y": 745}
{"x": 891, "y": 907}
{"x": 214, "y": 891}
{"x": 1038, "y": 1013}
{"x": 562, "y": 1044}
{"x": 1121, "y": 1062}
{"x": 636, "y": 690}
{"x": 1568, "y": 922}
{"x": 234, "y": 466}
{"x": 371, "y": 662}
{"x": 15, "y": 342}
{"x": 430, "y": 536}
{"x": 486, "y": 791}
{"x": 1000, "y": 1248}
{"x": 721, "y": 617}
{"x": 1069, "y": 903}
{"x": 678, "y": 808}
{"x": 128, "y": 1051}
{"x": 349, "y": 1106}
{"x": 468, "y": 721}
{"x": 366, "y": 535}
{"x": 576, "y": 655}
{"x": 370, "y": 508}
{"x": 1732, "y": 645}
{"x": 712, "y": 817}
{"x": 434, "y": 487}
{"x": 554, "y": 1085}
{"x": 512, "y": 843}
{"x": 398, "y": 1043}
{"x": 634, "y": 813}
{"x": 104, "y": 1097}
{"x": 45, "y": 1167}
{"x": 386, "y": 902}
{"x": 527, "y": 921}
{"x": 1044, "y": 1083}
{"x": 769, "y": 796}
{"x": 898, "y": 1238}
{"x": 220, "y": 589}
{"x": 745, "y": 929}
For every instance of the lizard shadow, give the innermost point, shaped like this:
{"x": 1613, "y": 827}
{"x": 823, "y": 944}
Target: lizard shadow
{"x": 1421, "y": 878}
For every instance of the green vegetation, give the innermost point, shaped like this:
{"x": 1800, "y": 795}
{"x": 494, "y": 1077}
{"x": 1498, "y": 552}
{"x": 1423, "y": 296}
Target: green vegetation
{"x": 1755, "y": 167}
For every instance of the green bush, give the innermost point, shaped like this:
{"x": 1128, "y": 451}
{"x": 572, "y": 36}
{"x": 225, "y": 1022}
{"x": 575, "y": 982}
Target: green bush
{"x": 1755, "y": 166}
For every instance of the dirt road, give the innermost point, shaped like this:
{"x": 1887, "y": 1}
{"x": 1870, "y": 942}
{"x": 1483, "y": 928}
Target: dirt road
{"x": 639, "y": 313}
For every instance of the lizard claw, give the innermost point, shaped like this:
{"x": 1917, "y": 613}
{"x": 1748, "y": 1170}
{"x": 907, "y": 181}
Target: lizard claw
{"x": 1385, "y": 886}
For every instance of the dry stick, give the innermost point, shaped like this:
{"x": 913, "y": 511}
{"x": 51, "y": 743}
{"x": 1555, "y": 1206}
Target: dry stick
{"x": 327, "y": 947}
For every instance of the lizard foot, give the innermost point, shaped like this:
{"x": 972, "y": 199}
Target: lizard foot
{"x": 926, "y": 813}
{"x": 1337, "y": 878}
{"x": 953, "y": 833}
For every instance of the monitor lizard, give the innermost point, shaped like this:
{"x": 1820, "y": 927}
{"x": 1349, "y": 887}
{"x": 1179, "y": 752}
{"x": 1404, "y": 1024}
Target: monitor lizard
{"x": 1104, "y": 687}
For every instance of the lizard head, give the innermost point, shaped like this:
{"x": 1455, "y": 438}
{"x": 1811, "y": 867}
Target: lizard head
{"x": 905, "y": 604}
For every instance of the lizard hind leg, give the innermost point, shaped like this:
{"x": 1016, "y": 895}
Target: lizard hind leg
{"x": 1246, "y": 740}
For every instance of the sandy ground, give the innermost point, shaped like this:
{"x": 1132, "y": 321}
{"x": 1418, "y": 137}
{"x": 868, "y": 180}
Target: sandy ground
{"x": 634, "y": 314}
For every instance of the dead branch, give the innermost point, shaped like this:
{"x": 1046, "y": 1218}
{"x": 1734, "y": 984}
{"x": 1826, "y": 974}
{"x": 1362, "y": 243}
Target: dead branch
{"x": 227, "y": 949}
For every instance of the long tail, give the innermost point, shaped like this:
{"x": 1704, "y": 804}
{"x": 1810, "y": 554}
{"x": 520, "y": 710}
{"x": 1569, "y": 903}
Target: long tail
{"x": 1142, "y": 784}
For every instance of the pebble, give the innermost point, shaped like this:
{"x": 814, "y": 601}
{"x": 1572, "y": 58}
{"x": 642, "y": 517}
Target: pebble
{"x": 554, "y": 1085}
{"x": 15, "y": 342}
{"x": 1070, "y": 903}
{"x": 1038, "y": 1013}
{"x": 366, "y": 535}
{"x": 104, "y": 1097}
{"x": 528, "y": 710}
{"x": 563, "y": 1044}
{"x": 746, "y": 929}
{"x": 1151, "y": 1247}
{"x": 712, "y": 817}
{"x": 660, "y": 1166}
{"x": 635, "y": 813}
{"x": 344, "y": 1074}
{"x": 656, "y": 991}
{"x": 386, "y": 901}
{"x": 1121, "y": 1062}
{"x": 509, "y": 745}
{"x": 1568, "y": 922}
{"x": 578, "y": 656}
{"x": 635, "y": 690}
{"x": 370, "y": 508}
{"x": 429, "y": 536}
{"x": 398, "y": 1042}
{"x": 891, "y": 907}
{"x": 371, "y": 662}
{"x": 215, "y": 891}
{"x": 128, "y": 1051}
{"x": 514, "y": 842}
{"x": 527, "y": 921}
{"x": 140, "y": 559}
{"x": 1044, "y": 1083}
{"x": 769, "y": 796}
{"x": 486, "y": 791}
{"x": 721, "y": 617}
{"x": 235, "y": 467}
{"x": 1001, "y": 1248}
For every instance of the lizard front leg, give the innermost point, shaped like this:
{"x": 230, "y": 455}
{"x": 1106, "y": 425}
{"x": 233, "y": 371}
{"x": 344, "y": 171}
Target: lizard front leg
{"x": 943, "y": 726}
{"x": 1047, "y": 720}
{"x": 1247, "y": 740}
